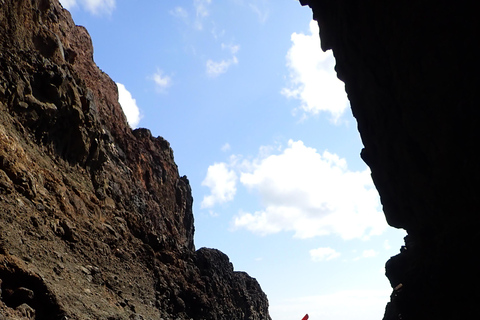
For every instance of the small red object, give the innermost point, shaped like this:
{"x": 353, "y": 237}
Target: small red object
{"x": 306, "y": 317}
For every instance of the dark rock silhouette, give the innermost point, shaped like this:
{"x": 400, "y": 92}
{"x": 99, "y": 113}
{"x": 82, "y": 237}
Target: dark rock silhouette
{"x": 95, "y": 221}
{"x": 411, "y": 71}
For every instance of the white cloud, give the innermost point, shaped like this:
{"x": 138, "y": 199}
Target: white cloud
{"x": 323, "y": 254}
{"x": 351, "y": 304}
{"x": 311, "y": 194}
{"x": 129, "y": 106}
{"x": 313, "y": 80}
{"x": 93, "y": 6}
{"x": 372, "y": 253}
{"x": 162, "y": 81}
{"x": 216, "y": 68}
{"x": 222, "y": 183}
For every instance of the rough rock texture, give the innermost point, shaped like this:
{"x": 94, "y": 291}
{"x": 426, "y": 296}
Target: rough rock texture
{"x": 411, "y": 71}
{"x": 95, "y": 221}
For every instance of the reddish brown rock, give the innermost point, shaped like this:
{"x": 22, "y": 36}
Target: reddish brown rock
{"x": 95, "y": 221}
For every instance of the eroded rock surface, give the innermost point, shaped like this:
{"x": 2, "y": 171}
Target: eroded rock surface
{"x": 411, "y": 71}
{"x": 95, "y": 221}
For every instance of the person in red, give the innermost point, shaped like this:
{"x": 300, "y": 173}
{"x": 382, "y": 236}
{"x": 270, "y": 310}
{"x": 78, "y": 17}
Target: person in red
{"x": 306, "y": 317}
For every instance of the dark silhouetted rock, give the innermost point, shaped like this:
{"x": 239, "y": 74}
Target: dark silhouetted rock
{"x": 411, "y": 71}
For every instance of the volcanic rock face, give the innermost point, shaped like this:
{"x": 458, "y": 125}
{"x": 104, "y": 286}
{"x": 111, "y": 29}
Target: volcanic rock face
{"x": 95, "y": 221}
{"x": 411, "y": 71}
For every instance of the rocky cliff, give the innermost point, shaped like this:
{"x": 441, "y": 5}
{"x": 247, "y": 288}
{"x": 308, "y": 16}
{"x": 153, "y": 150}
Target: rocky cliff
{"x": 411, "y": 71}
{"x": 95, "y": 221}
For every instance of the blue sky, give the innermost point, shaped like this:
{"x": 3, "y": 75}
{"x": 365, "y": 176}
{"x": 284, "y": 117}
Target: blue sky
{"x": 262, "y": 128}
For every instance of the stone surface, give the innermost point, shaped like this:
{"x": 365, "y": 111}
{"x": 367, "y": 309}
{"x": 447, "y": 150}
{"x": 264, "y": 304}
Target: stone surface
{"x": 95, "y": 221}
{"x": 411, "y": 71}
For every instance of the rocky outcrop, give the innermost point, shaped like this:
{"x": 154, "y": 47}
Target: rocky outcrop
{"x": 95, "y": 221}
{"x": 411, "y": 73}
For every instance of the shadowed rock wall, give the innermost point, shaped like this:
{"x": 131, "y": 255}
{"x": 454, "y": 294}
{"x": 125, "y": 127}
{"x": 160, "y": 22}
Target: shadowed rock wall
{"x": 95, "y": 221}
{"x": 411, "y": 71}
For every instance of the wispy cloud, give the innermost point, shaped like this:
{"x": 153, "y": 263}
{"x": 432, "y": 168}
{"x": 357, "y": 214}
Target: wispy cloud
{"x": 129, "y": 106}
{"x": 96, "y": 7}
{"x": 162, "y": 81}
{"x": 386, "y": 245}
{"x": 323, "y": 254}
{"x": 216, "y": 68}
{"x": 312, "y": 78}
{"x": 371, "y": 253}
{"x": 201, "y": 12}
{"x": 226, "y": 147}
{"x": 196, "y": 18}
{"x": 179, "y": 12}
{"x": 260, "y": 8}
